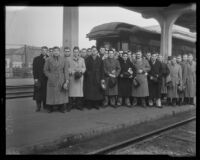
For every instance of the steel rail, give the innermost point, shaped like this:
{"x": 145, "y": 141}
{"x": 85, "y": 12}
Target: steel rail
{"x": 19, "y": 87}
{"x": 137, "y": 139}
{"x": 22, "y": 91}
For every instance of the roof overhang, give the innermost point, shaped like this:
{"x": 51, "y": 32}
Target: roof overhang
{"x": 187, "y": 19}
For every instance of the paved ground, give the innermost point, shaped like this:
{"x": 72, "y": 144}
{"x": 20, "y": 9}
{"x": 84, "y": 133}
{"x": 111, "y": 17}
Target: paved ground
{"x": 25, "y": 127}
{"x": 22, "y": 81}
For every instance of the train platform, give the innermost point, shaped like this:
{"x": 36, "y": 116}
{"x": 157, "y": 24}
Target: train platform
{"x": 28, "y": 131}
{"x": 19, "y": 81}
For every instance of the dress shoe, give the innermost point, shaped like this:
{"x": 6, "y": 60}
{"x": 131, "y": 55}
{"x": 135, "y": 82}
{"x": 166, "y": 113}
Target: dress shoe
{"x": 134, "y": 103}
{"x": 49, "y": 111}
{"x": 173, "y": 104}
{"x": 37, "y": 110}
{"x": 62, "y": 111}
{"x": 159, "y": 106}
{"x": 119, "y": 104}
{"x": 97, "y": 107}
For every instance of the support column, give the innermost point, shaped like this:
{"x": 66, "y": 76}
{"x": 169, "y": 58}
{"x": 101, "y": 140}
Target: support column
{"x": 166, "y": 24}
{"x": 166, "y": 39}
{"x": 70, "y": 26}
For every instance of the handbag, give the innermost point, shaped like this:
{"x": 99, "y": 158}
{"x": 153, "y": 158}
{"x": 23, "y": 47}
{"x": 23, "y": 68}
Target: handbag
{"x": 136, "y": 83}
{"x": 154, "y": 79}
{"x": 38, "y": 84}
{"x": 168, "y": 81}
{"x": 77, "y": 75}
{"x": 181, "y": 88}
{"x": 112, "y": 82}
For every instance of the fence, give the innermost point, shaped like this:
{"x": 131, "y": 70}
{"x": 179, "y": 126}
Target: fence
{"x": 19, "y": 58}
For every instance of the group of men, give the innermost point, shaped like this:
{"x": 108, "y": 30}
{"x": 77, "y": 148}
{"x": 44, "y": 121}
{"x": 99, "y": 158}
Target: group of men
{"x": 92, "y": 79}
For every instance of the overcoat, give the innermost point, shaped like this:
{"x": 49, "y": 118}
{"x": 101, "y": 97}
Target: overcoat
{"x": 38, "y": 73}
{"x": 165, "y": 73}
{"x": 56, "y": 69}
{"x": 93, "y": 76}
{"x": 184, "y": 76}
{"x": 155, "y": 87}
{"x": 143, "y": 89}
{"x": 176, "y": 77}
{"x": 125, "y": 83}
{"x": 111, "y": 64}
{"x": 191, "y": 80}
{"x": 76, "y": 85}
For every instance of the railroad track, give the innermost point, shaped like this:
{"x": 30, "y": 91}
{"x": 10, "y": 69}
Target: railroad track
{"x": 135, "y": 140}
{"x": 22, "y": 91}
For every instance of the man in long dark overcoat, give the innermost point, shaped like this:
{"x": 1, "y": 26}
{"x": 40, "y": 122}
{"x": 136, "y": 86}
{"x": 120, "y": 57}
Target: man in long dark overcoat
{"x": 155, "y": 81}
{"x": 94, "y": 77}
{"x": 125, "y": 80}
{"x": 40, "y": 80}
{"x": 165, "y": 73}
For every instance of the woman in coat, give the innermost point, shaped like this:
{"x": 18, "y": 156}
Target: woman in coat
{"x": 76, "y": 70}
{"x": 111, "y": 69}
{"x": 191, "y": 80}
{"x": 94, "y": 77}
{"x": 56, "y": 69}
{"x": 176, "y": 77}
{"x": 141, "y": 91}
{"x": 125, "y": 80}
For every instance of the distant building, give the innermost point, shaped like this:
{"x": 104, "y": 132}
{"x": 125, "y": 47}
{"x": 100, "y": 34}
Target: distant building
{"x": 19, "y": 61}
{"x": 21, "y": 56}
{"x": 16, "y": 64}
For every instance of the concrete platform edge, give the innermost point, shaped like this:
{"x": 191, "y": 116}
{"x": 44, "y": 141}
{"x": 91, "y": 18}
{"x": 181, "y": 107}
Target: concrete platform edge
{"x": 50, "y": 145}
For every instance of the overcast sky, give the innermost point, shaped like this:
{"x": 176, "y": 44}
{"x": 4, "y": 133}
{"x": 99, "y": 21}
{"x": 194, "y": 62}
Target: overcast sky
{"x": 40, "y": 26}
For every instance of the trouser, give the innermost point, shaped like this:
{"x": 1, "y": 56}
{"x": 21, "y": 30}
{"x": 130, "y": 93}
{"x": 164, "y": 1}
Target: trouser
{"x": 143, "y": 101}
{"x": 39, "y": 103}
{"x": 172, "y": 101}
{"x": 180, "y": 101}
{"x": 157, "y": 100}
{"x": 75, "y": 102}
{"x": 191, "y": 100}
{"x": 112, "y": 100}
{"x": 163, "y": 96}
{"x": 60, "y": 107}
{"x": 94, "y": 103}
{"x": 126, "y": 99}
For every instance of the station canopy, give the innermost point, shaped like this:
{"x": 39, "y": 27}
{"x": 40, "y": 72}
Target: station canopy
{"x": 187, "y": 20}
